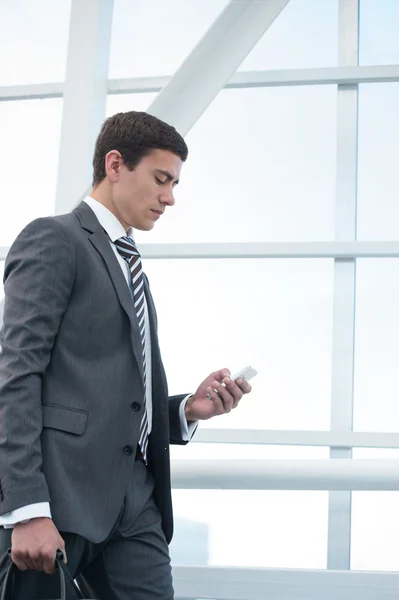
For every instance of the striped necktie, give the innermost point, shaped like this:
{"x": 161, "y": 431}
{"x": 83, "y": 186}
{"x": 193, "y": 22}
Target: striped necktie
{"x": 127, "y": 249}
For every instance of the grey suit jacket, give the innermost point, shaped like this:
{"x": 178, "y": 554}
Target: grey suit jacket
{"x": 71, "y": 379}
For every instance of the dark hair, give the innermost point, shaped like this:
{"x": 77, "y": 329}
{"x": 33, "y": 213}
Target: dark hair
{"x": 134, "y": 135}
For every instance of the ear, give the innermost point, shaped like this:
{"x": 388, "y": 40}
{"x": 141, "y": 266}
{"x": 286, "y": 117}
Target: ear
{"x": 113, "y": 162}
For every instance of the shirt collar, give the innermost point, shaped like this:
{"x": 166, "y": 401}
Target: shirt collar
{"x": 107, "y": 220}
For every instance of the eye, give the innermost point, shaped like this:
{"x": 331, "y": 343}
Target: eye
{"x": 159, "y": 181}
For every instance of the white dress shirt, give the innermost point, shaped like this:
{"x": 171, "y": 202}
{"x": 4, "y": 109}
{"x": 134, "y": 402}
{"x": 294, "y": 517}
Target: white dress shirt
{"x": 115, "y": 231}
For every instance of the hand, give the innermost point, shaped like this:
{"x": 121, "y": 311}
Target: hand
{"x": 35, "y": 545}
{"x": 202, "y": 407}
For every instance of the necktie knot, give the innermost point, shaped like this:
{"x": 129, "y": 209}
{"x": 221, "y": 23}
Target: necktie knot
{"x": 126, "y": 247}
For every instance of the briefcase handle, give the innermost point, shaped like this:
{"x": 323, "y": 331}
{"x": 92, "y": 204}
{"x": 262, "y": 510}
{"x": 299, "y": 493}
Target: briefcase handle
{"x": 8, "y": 584}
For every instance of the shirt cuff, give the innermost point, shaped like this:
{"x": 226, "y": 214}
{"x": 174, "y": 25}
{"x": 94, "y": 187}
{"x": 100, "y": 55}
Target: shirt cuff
{"x": 187, "y": 429}
{"x": 25, "y": 513}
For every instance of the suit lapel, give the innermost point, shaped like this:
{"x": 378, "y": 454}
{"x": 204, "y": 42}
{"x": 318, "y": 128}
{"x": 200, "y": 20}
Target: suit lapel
{"x": 101, "y": 243}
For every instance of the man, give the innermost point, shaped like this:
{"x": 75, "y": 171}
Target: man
{"x": 85, "y": 418}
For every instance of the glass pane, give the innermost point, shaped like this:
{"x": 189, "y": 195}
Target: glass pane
{"x": 261, "y": 167}
{"x": 207, "y": 451}
{"x": 377, "y": 345}
{"x": 378, "y": 184}
{"x": 304, "y": 35}
{"x": 2, "y": 263}
{"x": 125, "y": 102}
{"x": 375, "y": 525}
{"x": 153, "y": 37}
{"x": 379, "y": 26}
{"x": 31, "y": 157}
{"x": 275, "y": 315}
{"x": 33, "y": 41}
{"x": 251, "y": 528}
{"x": 194, "y": 542}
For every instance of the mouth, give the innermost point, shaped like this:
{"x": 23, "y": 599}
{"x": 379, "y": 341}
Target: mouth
{"x": 157, "y": 212}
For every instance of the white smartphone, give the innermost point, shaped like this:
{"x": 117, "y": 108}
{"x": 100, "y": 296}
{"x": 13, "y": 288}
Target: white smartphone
{"x": 247, "y": 373}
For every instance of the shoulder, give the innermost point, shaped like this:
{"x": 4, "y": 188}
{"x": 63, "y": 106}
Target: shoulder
{"x": 44, "y": 239}
{"x": 60, "y": 229}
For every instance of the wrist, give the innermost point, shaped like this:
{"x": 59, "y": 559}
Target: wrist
{"x": 188, "y": 410}
{"x": 27, "y": 521}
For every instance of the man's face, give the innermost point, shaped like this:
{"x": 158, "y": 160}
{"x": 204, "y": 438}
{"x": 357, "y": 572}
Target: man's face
{"x": 142, "y": 195}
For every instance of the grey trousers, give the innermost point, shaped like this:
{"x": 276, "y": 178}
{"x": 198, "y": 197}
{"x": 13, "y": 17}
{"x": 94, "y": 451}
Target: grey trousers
{"x": 132, "y": 564}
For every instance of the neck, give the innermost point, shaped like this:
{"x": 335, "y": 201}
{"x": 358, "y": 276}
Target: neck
{"x": 103, "y": 195}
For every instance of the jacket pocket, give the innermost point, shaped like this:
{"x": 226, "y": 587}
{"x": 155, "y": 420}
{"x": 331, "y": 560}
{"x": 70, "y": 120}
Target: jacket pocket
{"x": 71, "y": 420}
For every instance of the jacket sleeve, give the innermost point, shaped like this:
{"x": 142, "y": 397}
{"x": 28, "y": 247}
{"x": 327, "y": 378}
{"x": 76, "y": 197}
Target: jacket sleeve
{"x": 175, "y": 436}
{"x": 25, "y": 513}
{"x": 38, "y": 279}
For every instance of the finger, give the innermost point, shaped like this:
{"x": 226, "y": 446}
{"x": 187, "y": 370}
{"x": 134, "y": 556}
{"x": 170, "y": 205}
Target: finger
{"x": 19, "y": 563}
{"x": 244, "y": 385}
{"x": 49, "y": 562}
{"x": 220, "y": 375}
{"x": 38, "y": 565}
{"x": 227, "y": 398}
{"x": 234, "y": 390}
{"x": 28, "y": 563}
{"x": 217, "y": 401}
{"x": 37, "y": 561}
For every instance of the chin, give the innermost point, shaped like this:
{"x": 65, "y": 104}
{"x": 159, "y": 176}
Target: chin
{"x": 144, "y": 226}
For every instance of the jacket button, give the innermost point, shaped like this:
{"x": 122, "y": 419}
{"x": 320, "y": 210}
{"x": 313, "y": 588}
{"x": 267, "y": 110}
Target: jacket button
{"x": 136, "y": 406}
{"x": 128, "y": 450}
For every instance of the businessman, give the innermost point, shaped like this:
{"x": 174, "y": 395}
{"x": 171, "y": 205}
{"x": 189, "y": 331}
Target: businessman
{"x": 85, "y": 417}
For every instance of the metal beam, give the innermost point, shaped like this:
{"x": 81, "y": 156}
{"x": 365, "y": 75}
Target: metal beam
{"x": 35, "y": 91}
{"x": 234, "y": 583}
{"x": 240, "y": 79}
{"x": 85, "y": 95}
{"x": 341, "y": 250}
{"x": 319, "y": 76}
{"x": 340, "y": 503}
{"x": 280, "y": 474}
{"x": 213, "y": 61}
{"x": 332, "y": 439}
{"x": 280, "y": 78}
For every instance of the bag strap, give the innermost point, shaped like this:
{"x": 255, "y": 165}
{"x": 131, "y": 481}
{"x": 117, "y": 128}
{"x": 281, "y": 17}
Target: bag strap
{"x": 8, "y": 583}
{"x": 59, "y": 559}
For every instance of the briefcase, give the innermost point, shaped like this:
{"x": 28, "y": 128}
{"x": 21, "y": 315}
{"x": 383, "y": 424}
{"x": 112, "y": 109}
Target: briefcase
{"x": 7, "y": 592}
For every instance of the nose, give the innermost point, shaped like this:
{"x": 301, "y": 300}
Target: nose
{"x": 168, "y": 198}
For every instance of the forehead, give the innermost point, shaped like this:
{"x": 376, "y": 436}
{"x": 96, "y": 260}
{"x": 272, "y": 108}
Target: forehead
{"x": 164, "y": 160}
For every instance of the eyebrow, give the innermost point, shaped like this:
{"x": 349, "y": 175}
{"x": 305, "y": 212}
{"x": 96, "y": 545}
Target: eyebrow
{"x": 168, "y": 175}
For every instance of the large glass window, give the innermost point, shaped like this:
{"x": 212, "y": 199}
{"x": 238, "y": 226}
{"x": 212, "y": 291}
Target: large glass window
{"x": 304, "y": 35}
{"x": 125, "y": 102}
{"x": 375, "y": 523}
{"x": 252, "y": 528}
{"x": 217, "y": 527}
{"x": 261, "y": 167}
{"x": 377, "y": 345}
{"x": 30, "y": 138}
{"x": 379, "y": 26}
{"x": 153, "y": 37}
{"x": 378, "y": 183}
{"x": 275, "y": 315}
{"x": 33, "y": 41}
